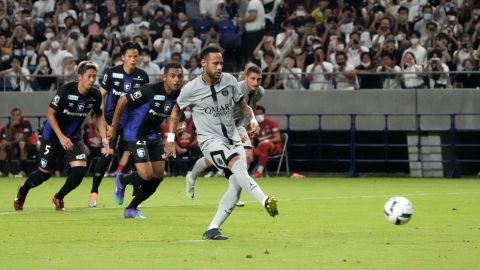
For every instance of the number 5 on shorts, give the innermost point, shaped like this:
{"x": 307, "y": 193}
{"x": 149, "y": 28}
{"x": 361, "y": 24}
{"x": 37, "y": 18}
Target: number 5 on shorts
{"x": 47, "y": 149}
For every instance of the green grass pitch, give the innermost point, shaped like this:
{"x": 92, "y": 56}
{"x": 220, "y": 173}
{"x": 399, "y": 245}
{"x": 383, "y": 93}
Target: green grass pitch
{"x": 324, "y": 223}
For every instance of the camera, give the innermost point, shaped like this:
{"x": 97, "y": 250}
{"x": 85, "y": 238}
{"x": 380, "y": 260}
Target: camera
{"x": 74, "y": 35}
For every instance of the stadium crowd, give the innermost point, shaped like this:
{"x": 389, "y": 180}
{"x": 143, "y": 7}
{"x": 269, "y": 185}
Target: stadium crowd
{"x": 306, "y": 44}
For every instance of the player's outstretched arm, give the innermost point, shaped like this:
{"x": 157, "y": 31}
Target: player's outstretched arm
{"x": 66, "y": 143}
{"x": 121, "y": 104}
{"x": 249, "y": 116}
{"x": 174, "y": 119}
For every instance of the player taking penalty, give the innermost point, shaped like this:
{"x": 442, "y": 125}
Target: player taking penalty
{"x": 212, "y": 97}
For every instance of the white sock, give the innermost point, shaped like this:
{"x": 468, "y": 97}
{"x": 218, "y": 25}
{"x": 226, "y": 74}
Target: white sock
{"x": 227, "y": 203}
{"x": 247, "y": 183}
{"x": 260, "y": 169}
{"x": 199, "y": 167}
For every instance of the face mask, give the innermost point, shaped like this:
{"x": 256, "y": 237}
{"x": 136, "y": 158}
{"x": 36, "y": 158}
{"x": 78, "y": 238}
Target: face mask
{"x": 260, "y": 118}
{"x": 30, "y": 53}
{"x": 427, "y": 16}
{"x": 400, "y": 37}
{"x": 49, "y": 35}
{"x": 137, "y": 19}
{"x": 177, "y": 48}
{"x": 146, "y": 59}
{"x": 188, "y": 115}
{"x": 340, "y": 47}
{"x": 414, "y": 41}
{"x": 55, "y": 45}
{"x": 367, "y": 64}
{"x": 315, "y": 46}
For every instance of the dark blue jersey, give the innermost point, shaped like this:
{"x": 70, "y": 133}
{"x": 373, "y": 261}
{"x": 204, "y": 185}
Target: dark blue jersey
{"x": 72, "y": 108}
{"x": 148, "y": 108}
{"x": 117, "y": 83}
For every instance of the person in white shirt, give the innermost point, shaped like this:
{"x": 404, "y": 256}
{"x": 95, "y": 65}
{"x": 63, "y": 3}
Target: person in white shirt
{"x": 354, "y": 49}
{"x": 132, "y": 29}
{"x": 99, "y": 56}
{"x": 285, "y": 39}
{"x": 316, "y": 72}
{"x": 164, "y": 46}
{"x": 195, "y": 69}
{"x": 345, "y": 74}
{"x": 191, "y": 44}
{"x": 435, "y": 64}
{"x": 418, "y": 50}
{"x": 391, "y": 80}
{"x": 41, "y": 7}
{"x": 465, "y": 51}
{"x": 212, "y": 9}
{"x": 290, "y": 75}
{"x": 19, "y": 77}
{"x": 254, "y": 23}
{"x": 412, "y": 72}
{"x": 55, "y": 55}
{"x": 152, "y": 69}
{"x": 420, "y": 26}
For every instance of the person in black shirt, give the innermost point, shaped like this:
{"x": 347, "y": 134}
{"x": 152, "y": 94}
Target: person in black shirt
{"x": 118, "y": 81}
{"x": 148, "y": 108}
{"x": 61, "y": 135}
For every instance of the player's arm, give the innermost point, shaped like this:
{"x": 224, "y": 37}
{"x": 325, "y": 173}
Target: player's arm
{"x": 249, "y": 116}
{"x": 172, "y": 127}
{"x": 52, "y": 120}
{"x": 121, "y": 104}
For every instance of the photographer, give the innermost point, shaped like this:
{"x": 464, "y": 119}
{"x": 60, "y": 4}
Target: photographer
{"x": 316, "y": 72}
{"x": 439, "y": 79}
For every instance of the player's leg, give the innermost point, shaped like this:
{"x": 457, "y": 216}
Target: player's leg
{"x": 3, "y": 156}
{"x": 23, "y": 153}
{"x": 200, "y": 166}
{"x": 99, "y": 172}
{"x": 262, "y": 151}
{"x": 46, "y": 159}
{"x": 77, "y": 159}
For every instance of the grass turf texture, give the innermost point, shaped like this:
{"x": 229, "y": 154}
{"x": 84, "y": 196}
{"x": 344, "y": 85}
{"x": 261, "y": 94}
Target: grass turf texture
{"x": 323, "y": 224}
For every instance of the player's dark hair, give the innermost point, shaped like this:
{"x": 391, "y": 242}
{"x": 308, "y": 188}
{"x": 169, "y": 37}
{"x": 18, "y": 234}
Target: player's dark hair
{"x": 208, "y": 50}
{"x": 260, "y": 108}
{"x": 16, "y": 109}
{"x": 174, "y": 65}
{"x": 130, "y": 46}
{"x": 86, "y": 65}
{"x": 253, "y": 69}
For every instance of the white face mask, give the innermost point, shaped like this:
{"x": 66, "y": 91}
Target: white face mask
{"x": 49, "y": 35}
{"x": 188, "y": 114}
{"x": 414, "y": 41}
{"x": 177, "y": 48}
{"x": 297, "y": 51}
{"x": 137, "y": 19}
{"x": 340, "y": 47}
{"x": 30, "y": 52}
{"x": 118, "y": 63}
{"x": 55, "y": 45}
{"x": 146, "y": 59}
{"x": 400, "y": 37}
{"x": 260, "y": 118}
{"x": 367, "y": 64}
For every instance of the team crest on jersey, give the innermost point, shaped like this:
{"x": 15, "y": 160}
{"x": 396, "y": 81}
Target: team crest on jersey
{"x": 43, "y": 163}
{"x": 127, "y": 87}
{"x": 220, "y": 162}
{"x": 81, "y": 107}
{"x": 167, "y": 107}
{"x": 141, "y": 152}
{"x": 55, "y": 100}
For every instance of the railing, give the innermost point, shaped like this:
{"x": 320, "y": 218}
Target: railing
{"x": 354, "y": 146}
{"x": 425, "y": 76}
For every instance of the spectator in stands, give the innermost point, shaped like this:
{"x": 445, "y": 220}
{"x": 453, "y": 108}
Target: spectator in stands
{"x": 75, "y": 43}
{"x": 421, "y": 25}
{"x": 18, "y": 42}
{"x": 435, "y": 65}
{"x": 269, "y": 140}
{"x": 355, "y": 50}
{"x": 152, "y": 69}
{"x": 54, "y": 53}
{"x": 98, "y": 55}
{"x": 164, "y": 46}
{"x": 269, "y": 73}
{"x": 428, "y": 41}
{"x": 18, "y": 76}
{"x": 212, "y": 9}
{"x": 418, "y": 50}
{"x": 266, "y": 45}
{"x": 19, "y": 140}
{"x": 383, "y": 29}
{"x": 144, "y": 38}
{"x": 3, "y": 153}
{"x": 412, "y": 72}
{"x": 158, "y": 23}
{"x": 191, "y": 44}
{"x": 401, "y": 19}
{"x": 271, "y": 7}
{"x": 30, "y": 60}
{"x": 290, "y": 75}
{"x": 194, "y": 68}
{"x": 133, "y": 28}
{"x": 254, "y": 25}
{"x": 41, "y": 7}
{"x": 367, "y": 79}
{"x": 285, "y": 39}
{"x": 180, "y": 25}
{"x": 391, "y": 80}
{"x": 468, "y": 80}
{"x": 43, "y": 79}
{"x": 69, "y": 69}
{"x": 63, "y": 10}
{"x": 89, "y": 15}
{"x": 465, "y": 51}
{"x": 5, "y": 28}
{"x": 319, "y": 73}
{"x": 345, "y": 75}
{"x": 451, "y": 26}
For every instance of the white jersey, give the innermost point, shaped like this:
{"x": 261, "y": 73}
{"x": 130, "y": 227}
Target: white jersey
{"x": 212, "y": 108}
{"x": 251, "y": 100}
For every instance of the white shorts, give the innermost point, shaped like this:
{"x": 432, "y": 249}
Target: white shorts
{"x": 243, "y": 132}
{"x": 220, "y": 153}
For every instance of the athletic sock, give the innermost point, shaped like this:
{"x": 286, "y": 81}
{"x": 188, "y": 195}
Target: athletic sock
{"x": 120, "y": 168}
{"x": 227, "y": 203}
{"x": 199, "y": 167}
{"x": 147, "y": 188}
{"x": 72, "y": 182}
{"x": 35, "y": 179}
{"x": 247, "y": 183}
{"x": 99, "y": 171}
{"x": 260, "y": 169}
{"x": 133, "y": 179}
{"x": 2, "y": 165}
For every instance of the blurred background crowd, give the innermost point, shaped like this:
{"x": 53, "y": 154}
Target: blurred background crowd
{"x": 307, "y": 44}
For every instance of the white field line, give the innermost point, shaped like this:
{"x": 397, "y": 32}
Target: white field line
{"x": 280, "y": 199}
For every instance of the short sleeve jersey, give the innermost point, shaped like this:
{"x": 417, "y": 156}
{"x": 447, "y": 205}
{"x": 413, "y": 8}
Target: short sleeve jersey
{"x": 250, "y": 98}
{"x": 212, "y": 108}
{"x": 117, "y": 83}
{"x": 148, "y": 108}
{"x": 72, "y": 108}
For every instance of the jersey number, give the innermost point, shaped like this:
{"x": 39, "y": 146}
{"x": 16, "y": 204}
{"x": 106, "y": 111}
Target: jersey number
{"x": 47, "y": 149}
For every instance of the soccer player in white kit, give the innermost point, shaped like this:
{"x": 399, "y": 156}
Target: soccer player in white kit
{"x": 252, "y": 92}
{"x": 212, "y": 97}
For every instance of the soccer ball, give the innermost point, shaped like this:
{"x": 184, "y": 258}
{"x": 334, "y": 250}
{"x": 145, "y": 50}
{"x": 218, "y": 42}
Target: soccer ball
{"x": 398, "y": 210}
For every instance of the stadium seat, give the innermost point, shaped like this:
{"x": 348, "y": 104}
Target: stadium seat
{"x": 280, "y": 157}
{"x": 202, "y": 26}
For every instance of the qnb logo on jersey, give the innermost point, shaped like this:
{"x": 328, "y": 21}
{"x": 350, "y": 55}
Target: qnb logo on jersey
{"x": 153, "y": 112}
{"x": 81, "y": 157}
{"x": 218, "y": 110}
{"x": 118, "y": 93}
{"x": 67, "y": 112}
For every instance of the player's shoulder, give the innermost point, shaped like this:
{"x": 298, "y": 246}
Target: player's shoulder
{"x": 228, "y": 78}
{"x": 68, "y": 87}
{"x": 95, "y": 91}
{"x": 138, "y": 71}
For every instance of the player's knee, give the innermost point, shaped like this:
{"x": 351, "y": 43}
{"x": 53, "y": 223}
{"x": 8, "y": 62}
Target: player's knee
{"x": 77, "y": 175}
{"x": 38, "y": 177}
{"x": 146, "y": 175}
